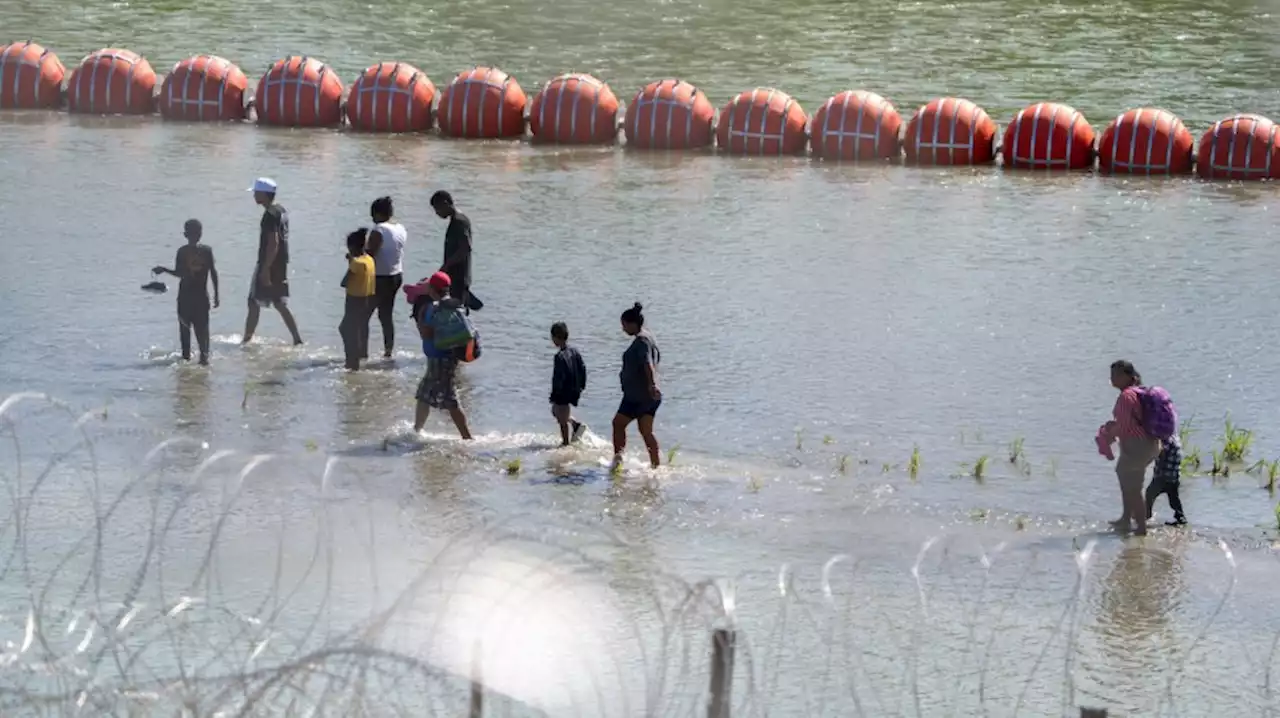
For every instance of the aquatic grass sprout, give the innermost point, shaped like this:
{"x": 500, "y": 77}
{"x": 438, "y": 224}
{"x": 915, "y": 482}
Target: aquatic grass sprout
{"x": 1235, "y": 442}
{"x": 913, "y": 465}
{"x": 980, "y": 468}
{"x": 1016, "y": 450}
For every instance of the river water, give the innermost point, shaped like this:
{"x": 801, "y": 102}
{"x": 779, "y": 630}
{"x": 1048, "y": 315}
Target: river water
{"x": 817, "y": 322}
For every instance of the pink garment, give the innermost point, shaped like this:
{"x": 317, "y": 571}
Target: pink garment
{"x": 1104, "y": 444}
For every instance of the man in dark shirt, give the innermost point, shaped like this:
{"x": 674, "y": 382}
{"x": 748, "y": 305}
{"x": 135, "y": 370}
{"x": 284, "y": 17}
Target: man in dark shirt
{"x": 193, "y": 266}
{"x": 270, "y": 285}
{"x": 568, "y": 380}
{"x": 457, "y": 247}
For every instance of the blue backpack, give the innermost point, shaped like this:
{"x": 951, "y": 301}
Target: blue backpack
{"x": 454, "y": 333}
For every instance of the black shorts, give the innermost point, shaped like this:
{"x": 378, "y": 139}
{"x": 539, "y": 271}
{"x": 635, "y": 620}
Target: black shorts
{"x": 268, "y": 295}
{"x": 193, "y": 310}
{"x": 637, "y": 409}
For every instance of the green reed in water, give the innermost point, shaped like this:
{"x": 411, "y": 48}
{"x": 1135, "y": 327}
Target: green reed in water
{"x": 671, "y": 454}
{"x": 1235, "y": 442}
{"x": 980, "y": 468}
{"x": 1220, "y": 467}
{"x": 513, "y": 466}
{"x": 799, "y": 439}
{"x": 913, "y": 464}
{"x": 1191, "y": 462}
{"x": 753, "y": 485}
{"x": 1016, "y": 453}
{"x": 1273, "y": 473}
{"x": 842, "y": 464}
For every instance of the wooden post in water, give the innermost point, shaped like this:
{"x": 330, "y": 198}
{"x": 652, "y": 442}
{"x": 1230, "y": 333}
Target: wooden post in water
{"x": 477, "y": 687}
{"x": 723, "y": 645}
{"x": 1093, "y": 713}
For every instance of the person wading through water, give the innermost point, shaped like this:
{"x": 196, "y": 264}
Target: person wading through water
{"x": 270, "y": 285}
{"x": 361, "y": 287}
{"x": 640, "y": 394}
{"x": 386, "y": 246}
{"x": 457, "y": 248}
{"x": 1137, "y": 448}
{"x": 439, "y": 386}
{"x": 194, "y": 267}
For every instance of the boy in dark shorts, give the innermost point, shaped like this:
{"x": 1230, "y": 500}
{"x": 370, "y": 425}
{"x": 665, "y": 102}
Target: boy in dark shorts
{"x": 1165, "y": 478}
{"x": 193, "y": 266}
{"x": 568, "y": 380}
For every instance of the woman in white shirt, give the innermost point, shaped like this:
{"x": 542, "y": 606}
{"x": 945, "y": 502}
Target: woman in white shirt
{"x": 386, "y": 246}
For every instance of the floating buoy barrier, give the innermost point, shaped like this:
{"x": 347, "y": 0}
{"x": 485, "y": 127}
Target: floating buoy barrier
{"x": 299, "y": 92}
{"x": 950, "y": 131}
{"x": 30, "y": 77}
{"x": 763, "y": 122}
{"x": 112, "y": 82}
{"x": 391, "y": 97}
{"x": 482, "y": 103}
{"x": 856, "y": 126}
{"x": 1146, "y": 141}
{"x": 204, "y": 88}
{"x": 1240, "y": 147}
{"x": 1048, "y": 136}
{"x": 574, "y": 110}
{"x": 670, "y": 115}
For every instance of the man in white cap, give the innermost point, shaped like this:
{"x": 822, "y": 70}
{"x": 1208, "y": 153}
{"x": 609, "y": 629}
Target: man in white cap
{"x": 270, "y": 285}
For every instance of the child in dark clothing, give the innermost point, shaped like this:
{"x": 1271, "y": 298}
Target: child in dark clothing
{"x": 1165, "y": 478}
{"x": 568, "y": 380}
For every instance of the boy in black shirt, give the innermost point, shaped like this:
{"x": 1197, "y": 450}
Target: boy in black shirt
{"x": 193, "y": 266}
{"x": 568, "y": 380}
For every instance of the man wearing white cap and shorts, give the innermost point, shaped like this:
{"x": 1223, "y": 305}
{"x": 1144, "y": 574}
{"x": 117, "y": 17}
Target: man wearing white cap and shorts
{"x": 270, "y": 284}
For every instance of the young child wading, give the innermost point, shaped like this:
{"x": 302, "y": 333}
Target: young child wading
{"x": 1165, "y": 478}
{"x": 568, "y": 380}
{"x": 193, "y": 266}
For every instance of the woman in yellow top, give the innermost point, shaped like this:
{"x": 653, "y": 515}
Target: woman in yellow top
{"x": 361, "y": 284}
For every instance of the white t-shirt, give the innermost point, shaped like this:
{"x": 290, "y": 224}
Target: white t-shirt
{"x": 390, "y": 257}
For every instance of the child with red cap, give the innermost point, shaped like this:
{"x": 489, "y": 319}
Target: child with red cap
{"x": 438, "y": 388}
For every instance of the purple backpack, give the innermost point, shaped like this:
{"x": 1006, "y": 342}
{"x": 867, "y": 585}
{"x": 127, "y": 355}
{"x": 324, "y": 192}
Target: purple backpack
{"x": 1159, "y": 418}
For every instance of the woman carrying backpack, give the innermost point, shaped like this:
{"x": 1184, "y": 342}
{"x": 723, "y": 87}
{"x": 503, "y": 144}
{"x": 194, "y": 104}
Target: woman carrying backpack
{"x": 1138, "y": 448}
{"x": 439, "y": 315}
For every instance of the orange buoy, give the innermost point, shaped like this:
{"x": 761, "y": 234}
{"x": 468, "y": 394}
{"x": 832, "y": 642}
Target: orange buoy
{"x": 1146, "y": 141}
{"x": 30, "y": 77}
{"x": 669, "y": 115}
{"x": 1240, "y": 147}
{"x": 1048, "y": 136}
{"x": 764, "y": 122}
{"x": 482, "y": 103}
{"x": 574, "y": 110}
{"x": 299, "y": 92}
{"x": 950, "y": 131}
{"x": 112, "y": 82}
{"x": 391, "y": 97}
{"x": 204, "y": 88}
{"x": 856, "y": 125}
